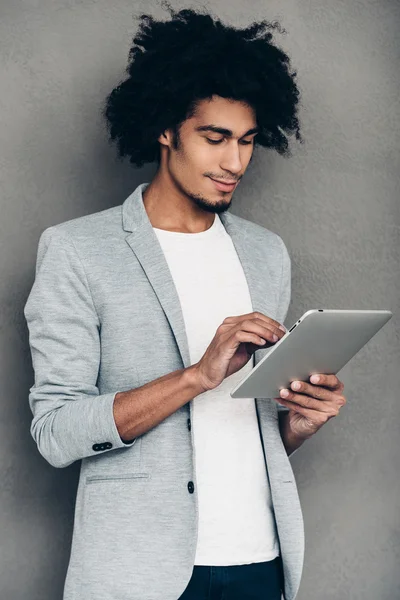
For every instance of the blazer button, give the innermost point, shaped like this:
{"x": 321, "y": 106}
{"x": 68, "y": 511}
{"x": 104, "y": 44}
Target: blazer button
{"x": 191, "y": 487}
{"x": 103, "y": 446}
{"x": 189, "y": 424}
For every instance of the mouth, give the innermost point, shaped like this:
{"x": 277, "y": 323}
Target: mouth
{"x": 224, "y": 187}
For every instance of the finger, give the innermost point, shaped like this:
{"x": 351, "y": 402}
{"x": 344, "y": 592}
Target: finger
{"x": 309, "y": 401}
{"x": 259, "y": 315}
{"x": 330, "y": 381}
{"x": 314, "y": 416}
{"x": 242, "y": 337}
{"x": 255, "y": 315}
{"x": 269, "y": 326}
{"x": 313, "y": 390}
{"x": 252, "y": 326}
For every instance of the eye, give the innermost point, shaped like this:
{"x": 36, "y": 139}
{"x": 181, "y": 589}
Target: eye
{"x": 210, "y": 141}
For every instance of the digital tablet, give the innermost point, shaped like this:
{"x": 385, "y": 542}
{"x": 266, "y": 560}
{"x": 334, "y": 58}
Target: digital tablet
{"x": 321, "y": 341}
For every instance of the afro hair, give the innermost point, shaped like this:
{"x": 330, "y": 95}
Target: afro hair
{"x": 173, "y": 65}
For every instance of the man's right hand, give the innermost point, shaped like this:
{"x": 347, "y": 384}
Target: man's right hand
{"x": 235, "y": 341}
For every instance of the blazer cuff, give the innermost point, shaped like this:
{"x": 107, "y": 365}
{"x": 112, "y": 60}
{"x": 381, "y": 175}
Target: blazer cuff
{"x": 78, "y": 429}
{"x": 95, "y": 431}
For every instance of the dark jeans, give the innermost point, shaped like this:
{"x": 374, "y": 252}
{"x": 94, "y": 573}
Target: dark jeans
{"x": 256, "y": 581}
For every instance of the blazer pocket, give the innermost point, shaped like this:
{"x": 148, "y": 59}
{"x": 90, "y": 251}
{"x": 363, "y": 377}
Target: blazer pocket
{"x": 112, "y": 532}
{"x": 113, "y": 477}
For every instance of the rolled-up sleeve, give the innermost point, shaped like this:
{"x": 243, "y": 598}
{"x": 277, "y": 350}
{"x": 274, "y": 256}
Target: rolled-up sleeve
{"x": 71, "y": 419}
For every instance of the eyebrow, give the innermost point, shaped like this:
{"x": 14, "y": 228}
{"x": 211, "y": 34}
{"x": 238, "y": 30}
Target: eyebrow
{"x": 224, "y": 131}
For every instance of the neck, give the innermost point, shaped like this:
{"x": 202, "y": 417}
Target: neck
{"x": 169, "y": 208}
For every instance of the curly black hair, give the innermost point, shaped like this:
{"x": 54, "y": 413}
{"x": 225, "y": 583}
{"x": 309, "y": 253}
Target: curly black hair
{"x": 174, "y": 64}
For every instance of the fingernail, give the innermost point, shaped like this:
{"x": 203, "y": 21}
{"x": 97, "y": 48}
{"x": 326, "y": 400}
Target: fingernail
{"x": 275, "y": 337}
{"x": 284, "y": 393}
{"x": 282, "y": 327}
{"x": 314, "y": 379}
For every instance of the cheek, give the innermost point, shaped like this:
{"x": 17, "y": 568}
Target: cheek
{"x": 198, "y": 160}
{"x": 201, "y": 154}
{"x": 191, "y": 154}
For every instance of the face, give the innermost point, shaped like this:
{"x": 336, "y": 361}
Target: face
{"x": 202, "y": 154}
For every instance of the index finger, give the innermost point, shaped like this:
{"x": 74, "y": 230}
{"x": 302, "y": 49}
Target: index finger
{"x": 269, "y": 320}
{"x": 257, "y": 315}
{"x": 330, "y": 380}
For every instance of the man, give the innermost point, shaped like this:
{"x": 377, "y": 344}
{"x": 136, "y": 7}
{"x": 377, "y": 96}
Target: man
{"x": 144, "y": 316}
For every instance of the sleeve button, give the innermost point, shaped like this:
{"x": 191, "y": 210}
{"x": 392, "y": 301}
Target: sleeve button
{"x": 103, "y": 446}
{"x": 191, "y": 487}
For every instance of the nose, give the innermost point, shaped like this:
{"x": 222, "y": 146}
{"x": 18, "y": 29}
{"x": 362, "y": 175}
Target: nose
{"x": 231, "y": 161}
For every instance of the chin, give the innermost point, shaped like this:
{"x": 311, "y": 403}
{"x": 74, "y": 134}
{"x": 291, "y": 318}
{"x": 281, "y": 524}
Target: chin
{"x": 210, "y": 205}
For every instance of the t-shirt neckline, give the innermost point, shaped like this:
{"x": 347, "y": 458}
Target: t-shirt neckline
{"x": 199, "y": 235}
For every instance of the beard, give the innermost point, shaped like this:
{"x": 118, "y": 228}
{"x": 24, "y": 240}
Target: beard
{"x": 209, "y": 206}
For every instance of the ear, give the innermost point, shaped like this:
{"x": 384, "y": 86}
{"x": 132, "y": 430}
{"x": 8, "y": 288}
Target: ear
{"x": 165, "y": 138}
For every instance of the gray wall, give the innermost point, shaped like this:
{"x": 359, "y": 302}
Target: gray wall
{"x": 335, "y": 203}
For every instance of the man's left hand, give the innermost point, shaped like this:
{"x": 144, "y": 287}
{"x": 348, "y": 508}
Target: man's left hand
{"x": 313, "y": 404}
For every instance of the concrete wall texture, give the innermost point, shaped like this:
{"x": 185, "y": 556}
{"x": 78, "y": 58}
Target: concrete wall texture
{"x": 335, "y": 203}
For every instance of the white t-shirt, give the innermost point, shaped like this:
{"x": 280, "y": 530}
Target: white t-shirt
{"x": 236, "y": 520}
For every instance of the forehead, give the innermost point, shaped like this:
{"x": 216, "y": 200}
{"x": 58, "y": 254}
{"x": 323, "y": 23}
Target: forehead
{"x": 226, "y": 113}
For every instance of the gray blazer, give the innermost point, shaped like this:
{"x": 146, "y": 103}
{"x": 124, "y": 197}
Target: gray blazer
{"x": 104, "y": 316}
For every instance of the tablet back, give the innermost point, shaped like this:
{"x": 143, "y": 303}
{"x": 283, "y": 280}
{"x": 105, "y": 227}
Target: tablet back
{"x": 321, "y": 341}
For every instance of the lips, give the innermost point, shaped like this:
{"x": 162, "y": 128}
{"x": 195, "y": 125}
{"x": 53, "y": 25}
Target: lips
{"x": 225, "y": 187}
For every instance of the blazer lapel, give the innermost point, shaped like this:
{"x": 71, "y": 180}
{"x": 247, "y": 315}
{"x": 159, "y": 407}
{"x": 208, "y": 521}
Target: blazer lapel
{"x": 144, "y": 243}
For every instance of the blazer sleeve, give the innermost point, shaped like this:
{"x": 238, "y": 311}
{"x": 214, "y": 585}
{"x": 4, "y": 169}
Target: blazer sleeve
{"x": 284, "y": 294}
{"x": 71, "y": 420}
{"x": 284, "y": 302}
